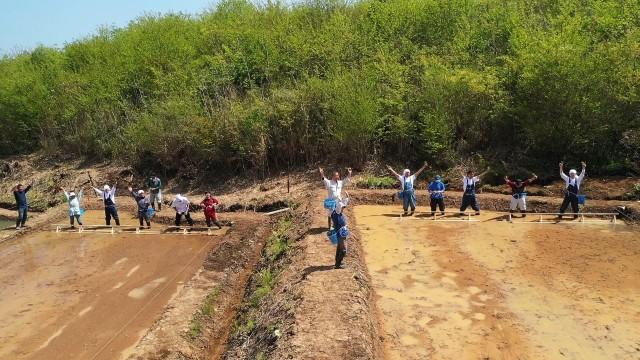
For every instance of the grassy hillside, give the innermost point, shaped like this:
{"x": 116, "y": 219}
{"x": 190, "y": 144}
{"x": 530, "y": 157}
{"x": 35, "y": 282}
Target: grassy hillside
{"x": 527, "y": 82}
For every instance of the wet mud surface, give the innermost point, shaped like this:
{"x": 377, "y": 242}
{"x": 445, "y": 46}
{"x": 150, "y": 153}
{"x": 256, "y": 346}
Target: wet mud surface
{"x": 490, "y": 289}
{"x": 89, "y": 296}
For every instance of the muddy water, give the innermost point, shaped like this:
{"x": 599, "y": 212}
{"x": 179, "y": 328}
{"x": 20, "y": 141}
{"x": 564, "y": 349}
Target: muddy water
{"x": 492, "y": 289}
{"x": 88, "y": 296}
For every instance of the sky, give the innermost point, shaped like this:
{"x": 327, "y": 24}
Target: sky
{"x": 25, "y": 24}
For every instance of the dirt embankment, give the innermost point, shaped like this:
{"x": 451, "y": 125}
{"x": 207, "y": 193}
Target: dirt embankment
{"x": 314, "y": 311}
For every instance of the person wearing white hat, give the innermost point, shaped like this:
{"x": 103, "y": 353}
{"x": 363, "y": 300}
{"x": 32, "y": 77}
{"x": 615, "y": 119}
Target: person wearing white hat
{"x": 407, "y": 191}
{"x": 572, "y": 185}
{"x": 74, "y": 200}
{"x": 143, "y": 206}
{"x": 469, "y": 186}
{"x": 340, "y": 226}
{"x": 108, "y": 196}
{"x": 181, "y": 205}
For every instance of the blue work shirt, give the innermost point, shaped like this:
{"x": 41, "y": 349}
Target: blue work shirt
{"x": 436, "y": 186}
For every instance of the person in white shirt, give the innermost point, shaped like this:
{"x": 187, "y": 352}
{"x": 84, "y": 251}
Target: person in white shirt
{"x": 334, "y": 188}
{"x": 181, "y": 205}
{"x": 108, "y": 196}
{"x": 572, "y": 186}
{"x": 74, "y": 200}
{"x": 469, "y": 185}
{"x": 407, "y": 191}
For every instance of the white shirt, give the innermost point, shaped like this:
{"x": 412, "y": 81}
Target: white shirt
{"x": 111, "y": 194}
{"x": 334, "y": 188}
{"x": 469, "y": 181}
{"x": 410, "y": 179}
{"x": 74, "y": 204}
{"x": 181, "y": 204}
{"x": 575, "y": 181}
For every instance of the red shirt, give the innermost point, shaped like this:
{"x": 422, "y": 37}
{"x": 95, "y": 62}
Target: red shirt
{"x": 209, "y": 206}
{"x": 518, "y": 189}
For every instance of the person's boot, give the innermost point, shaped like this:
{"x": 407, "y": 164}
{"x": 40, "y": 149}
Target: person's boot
{"x": 524, "y": 214}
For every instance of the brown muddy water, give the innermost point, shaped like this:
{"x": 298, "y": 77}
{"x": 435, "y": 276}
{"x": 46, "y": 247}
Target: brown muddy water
{"x": 89, "y": 296}
{"x": 495, "y": 290}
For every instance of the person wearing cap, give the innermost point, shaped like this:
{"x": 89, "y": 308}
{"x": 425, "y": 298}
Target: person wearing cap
{"x": 108, "y": 196}
{"x": 340, "y": 225}
{"x": 407, "y": 192}
{"x": 143, "y": 206}
{"x": 334, "y": 188}
{"x": 572, "y": 185}
{"x": 155, "y": 192}
{"x": 436, "y": 191}
{"x": 20, "y": 194}
{"x": 469, "y": 185}
{"x": 74, "y": 200}
{"x": 181, "y": 205}
{"x": 519, "y": 193}
{"x": 209, "y": 204}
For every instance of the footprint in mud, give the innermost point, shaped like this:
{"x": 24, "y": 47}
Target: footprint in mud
{"x": 139, "y": 293}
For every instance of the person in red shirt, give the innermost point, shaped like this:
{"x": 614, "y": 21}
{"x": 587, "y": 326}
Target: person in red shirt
{"x": 209, "y": 205}
{"x": 519, "y": 193}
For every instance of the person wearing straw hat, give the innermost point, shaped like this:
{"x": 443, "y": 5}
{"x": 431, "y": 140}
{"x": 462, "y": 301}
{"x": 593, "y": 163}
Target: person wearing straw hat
{"x": 436, "y": 193}
{"x": 143, "y": 206}
{"x": 572, "y": 185}
{"x": 108, "y": 196}
{"x": 334, "y": 190}
{"x": 407, "y": 191}
{"x": 469, "y": 185}
{"x": 181, "y": 205}
{"x": 74, "y": 200}
{"x": 519, "y": 193}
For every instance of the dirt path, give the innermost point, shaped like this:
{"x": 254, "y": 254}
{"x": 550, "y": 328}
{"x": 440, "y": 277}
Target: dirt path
{"x": 89, "y": 296}
{"x": 492, "y": 289}
{"x": 332, "y": 319}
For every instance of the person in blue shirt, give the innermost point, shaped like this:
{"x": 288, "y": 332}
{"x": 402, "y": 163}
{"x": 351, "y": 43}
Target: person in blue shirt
{"x": 436, "y": 191}
{"x": 20, "y": 194}
{"x": 339, "y": 222}
{"x": 407, "y": 191}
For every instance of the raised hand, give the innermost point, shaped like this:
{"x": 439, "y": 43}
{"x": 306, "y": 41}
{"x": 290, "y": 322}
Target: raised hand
{"x": 561, "y": 164}
{"x": 584, "y": 164}
{"x": 130, "y": 189}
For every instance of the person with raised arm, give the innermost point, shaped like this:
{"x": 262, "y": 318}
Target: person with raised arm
{"x": 572, "y": 186}
{"x": 407, "y": 190}
{"x": 108, "y": 196}
{"x": 143, "y": 206}
{"x": 20, "y": 194}
{"x": 469, "y": 185}
{"x": 74, "y": 200}
{"x": 519, "y": 193}
{"x": 436, "y": 193}
{"x": 334, "y": 190}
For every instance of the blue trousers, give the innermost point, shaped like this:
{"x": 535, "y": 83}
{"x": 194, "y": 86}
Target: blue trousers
{"x": 409, "y": 200}
{"x": 22, "y": 215}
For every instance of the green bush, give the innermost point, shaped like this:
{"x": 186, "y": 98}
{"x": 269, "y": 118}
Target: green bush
{"x": 376, "y": 182}
{"x": 270, "y": 86}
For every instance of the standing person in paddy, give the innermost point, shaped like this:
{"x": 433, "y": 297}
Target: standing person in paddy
{"x": 143, "y": 206}
{"x": 519, "y": 193}
{"x": 108, "y": 196}
{"x": 74, "y": 200}
{"x": 155, "y": 192}
{"x": 20, "y": 194}
{"x": 407, "y": 190}
{"x": 209, "y": 204}
{"x": 469, "y": 185}
{"x": 334, "y": 188}
{"x": 573, "y": 182}
{"x": 181, "y": 205}
{"x": 436, "y": 191}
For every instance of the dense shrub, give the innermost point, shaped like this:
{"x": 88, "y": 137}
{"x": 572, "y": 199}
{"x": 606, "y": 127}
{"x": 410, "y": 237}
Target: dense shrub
{"x": 270, "y": 86}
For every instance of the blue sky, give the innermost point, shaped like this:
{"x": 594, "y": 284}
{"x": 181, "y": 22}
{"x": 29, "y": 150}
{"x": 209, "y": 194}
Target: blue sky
{"x": 25, "y": 24}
